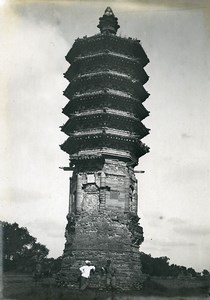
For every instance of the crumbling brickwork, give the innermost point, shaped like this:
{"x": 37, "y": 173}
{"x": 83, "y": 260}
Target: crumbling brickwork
{"x": 105, "y": 226}
{"x": 98, "y": 237}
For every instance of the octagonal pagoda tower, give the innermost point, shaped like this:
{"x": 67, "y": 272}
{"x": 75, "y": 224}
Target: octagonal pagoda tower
{"x": 104, "y": 129}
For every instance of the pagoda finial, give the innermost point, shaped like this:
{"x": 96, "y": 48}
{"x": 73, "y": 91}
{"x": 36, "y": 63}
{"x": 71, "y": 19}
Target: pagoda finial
{"x": 108, "y": 11}
{"x": 108, "y": 23}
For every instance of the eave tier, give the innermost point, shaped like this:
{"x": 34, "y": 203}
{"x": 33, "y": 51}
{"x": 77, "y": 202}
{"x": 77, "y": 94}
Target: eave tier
{"x": 106, "y": 80}
{"x": 93, "y": 159}
{"x": 113, "y": 43}
{"x": 104, "y": 100}
{"x": 76, "y": 145}
{"x": 107, "y": 61}
{"x": 104, "y": 121}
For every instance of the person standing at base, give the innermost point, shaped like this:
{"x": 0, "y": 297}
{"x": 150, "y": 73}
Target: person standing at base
{"x": 110, "y": 272}
{"x": 85, "y": 274}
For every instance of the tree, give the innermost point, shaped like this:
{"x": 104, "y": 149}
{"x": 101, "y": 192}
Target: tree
{"x": 147, "y": 263}
{"x": 191, "y": 271}
{"x": 159, "y": 266}
{"x": 21, "y": 251}
{"x": 205, "y": 272}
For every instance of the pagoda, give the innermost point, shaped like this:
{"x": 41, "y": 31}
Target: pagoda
{"x": 104, "y": 128}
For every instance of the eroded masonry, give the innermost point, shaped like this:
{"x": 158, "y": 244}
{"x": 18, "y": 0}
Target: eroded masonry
{"x": 104, "y": 129}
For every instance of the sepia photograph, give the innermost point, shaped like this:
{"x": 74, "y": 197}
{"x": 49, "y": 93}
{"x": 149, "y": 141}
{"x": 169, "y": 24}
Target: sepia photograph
{"x": 104, "y": 153}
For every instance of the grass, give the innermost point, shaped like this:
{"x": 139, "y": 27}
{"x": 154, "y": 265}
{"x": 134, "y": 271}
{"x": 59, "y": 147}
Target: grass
{"x": 65, "y": 294}
{"x": 24, "y": 288}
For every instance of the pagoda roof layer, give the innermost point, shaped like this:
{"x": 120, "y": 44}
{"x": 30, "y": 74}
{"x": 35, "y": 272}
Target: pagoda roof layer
{"x": 101, "y": 153}
{"x": 105, "y": 100}
{"x": 104, "y": 80}
{"x": 75, "y": 144}
{"x": 105, "y": 120}
{"x": 100, "y": 42}
{"x": 107, "y": 62}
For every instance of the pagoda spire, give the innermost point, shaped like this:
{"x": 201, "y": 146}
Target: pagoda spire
{"x": 108, "y": 23}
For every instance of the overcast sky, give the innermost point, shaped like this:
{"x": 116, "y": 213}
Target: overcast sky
{"x": 174, "y": 191}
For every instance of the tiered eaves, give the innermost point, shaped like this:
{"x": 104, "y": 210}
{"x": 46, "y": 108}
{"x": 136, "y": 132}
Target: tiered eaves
{"x": 105, "y": 95}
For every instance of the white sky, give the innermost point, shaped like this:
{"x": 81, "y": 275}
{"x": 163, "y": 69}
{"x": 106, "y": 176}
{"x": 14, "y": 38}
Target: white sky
{"x": 174, "y": 191}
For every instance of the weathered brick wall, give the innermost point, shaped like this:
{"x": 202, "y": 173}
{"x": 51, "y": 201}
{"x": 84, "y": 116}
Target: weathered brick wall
{"x": 120, "y": 193}
{"x": 104, "y": 225}
{"x": 98, "y": 237}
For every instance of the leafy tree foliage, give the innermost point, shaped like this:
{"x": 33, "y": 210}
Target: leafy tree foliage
{"x": 205, "y": 272}
{"x": 192, "y": 272}
{"x": 21, "y": 250}
{"x": 47, "y": 268}
{"x": 159, "y": 266}
{"x": 154, "y": 266}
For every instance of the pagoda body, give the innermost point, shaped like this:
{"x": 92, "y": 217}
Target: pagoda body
{"x": 104, "y": 129}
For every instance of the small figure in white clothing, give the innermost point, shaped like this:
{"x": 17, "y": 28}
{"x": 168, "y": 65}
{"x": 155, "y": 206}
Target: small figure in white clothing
{"x": 85, "y": 274}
